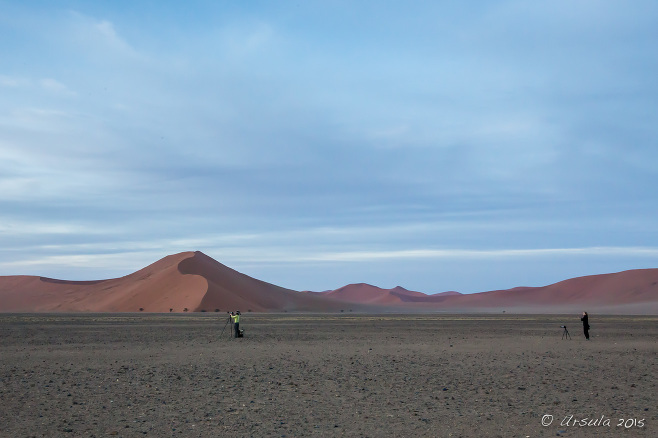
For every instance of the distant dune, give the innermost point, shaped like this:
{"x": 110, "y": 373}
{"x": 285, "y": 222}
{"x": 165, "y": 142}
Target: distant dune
{"x": 194, "y": 282}
{"x": 367, "y": 294}
{"x": 363, "y": 293}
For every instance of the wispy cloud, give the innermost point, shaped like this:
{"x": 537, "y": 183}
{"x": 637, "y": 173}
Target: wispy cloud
{"x": 13, "y": 82}
{"x": 47, "y": 84}
{"x": 99, "y": 35}
{"x": 514, "y": 135}
{"x": 54, "y": 86}
{"x": 458, "y": 254}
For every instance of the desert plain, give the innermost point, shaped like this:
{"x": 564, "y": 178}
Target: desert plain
{"x": 333, "y": 374}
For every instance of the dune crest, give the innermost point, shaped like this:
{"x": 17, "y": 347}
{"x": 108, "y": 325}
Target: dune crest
{"x": 194, "y": 282}
{"x": 228, "y": 289}
{"x": 156, "y": 288}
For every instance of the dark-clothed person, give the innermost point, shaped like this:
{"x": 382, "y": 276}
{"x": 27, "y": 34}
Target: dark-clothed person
{"x": 585, "y": 321}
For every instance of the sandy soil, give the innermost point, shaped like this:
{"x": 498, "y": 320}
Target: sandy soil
{"x": 326, "y": 375}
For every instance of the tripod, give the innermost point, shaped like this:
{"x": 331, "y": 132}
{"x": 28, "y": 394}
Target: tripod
{"x": 565, "y": 333}
{"x": 227, "y": 321}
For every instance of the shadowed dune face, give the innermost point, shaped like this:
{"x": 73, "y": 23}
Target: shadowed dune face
{"x": 196, "y": 282}
{"x": 231, "y": 290}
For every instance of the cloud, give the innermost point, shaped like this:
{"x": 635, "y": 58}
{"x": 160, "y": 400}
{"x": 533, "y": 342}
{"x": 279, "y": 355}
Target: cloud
{"x": 54, "y": 86}
{"x": 247, "y": 40}
{"x": 457, "y": 254}
{"x": 299, "y": 134}
{"x": 114, "y": 262}
{"x": 13, "y": 82}
{"x": 47, "y": 84}
{"x": 99, "y": 36}
{"x": 14, "y": 227}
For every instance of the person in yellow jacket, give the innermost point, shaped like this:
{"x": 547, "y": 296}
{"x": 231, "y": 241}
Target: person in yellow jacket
{"x": 235, "y": 318}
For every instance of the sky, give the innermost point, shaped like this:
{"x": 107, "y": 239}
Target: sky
{"x": 438, "y": 146}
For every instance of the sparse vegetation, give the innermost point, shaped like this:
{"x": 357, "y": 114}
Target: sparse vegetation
{"x": 216, "y": 310}
{"x": 141, "y": 309}
{"x": 185, "y": 309}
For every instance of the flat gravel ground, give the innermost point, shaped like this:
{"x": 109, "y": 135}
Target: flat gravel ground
{"x": 294, "y": 375}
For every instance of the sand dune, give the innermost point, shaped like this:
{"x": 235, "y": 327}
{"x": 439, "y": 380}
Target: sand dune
{"x": 367, "y": 294}
{"x": 156, "y": 288}
{"x": 196, "y": 282}
{"x": 189, "y": 280}
{"x": 363, "y": 293}
{"x": 634, "y": 291}
{"x": 631, "y": 289}
{"x": 230, "y": 289}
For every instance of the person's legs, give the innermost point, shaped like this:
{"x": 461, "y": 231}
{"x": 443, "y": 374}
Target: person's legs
{"x": 237, "y": 329}
{"x": 586, "y": 330}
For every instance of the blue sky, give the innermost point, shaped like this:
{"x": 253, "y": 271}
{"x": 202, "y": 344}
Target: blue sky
{"x": 439, "y": 146}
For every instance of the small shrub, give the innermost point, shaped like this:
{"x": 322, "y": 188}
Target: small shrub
{"x": 185, "y": 309}
{"x": 141, "y": 309}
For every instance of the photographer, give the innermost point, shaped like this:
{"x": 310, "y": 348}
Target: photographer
{"x": 585, "y": 321}
{"x": 236, "y": 323}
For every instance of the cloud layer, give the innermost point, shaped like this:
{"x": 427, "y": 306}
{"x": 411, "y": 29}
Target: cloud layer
{"x": 440, "y": 147}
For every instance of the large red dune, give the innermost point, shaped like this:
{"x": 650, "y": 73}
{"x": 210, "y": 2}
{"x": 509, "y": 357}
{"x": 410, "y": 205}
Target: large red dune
{"x": 189, "y": 281}
{"x": 157, "y": 288}
{"x": 194, "y": 282}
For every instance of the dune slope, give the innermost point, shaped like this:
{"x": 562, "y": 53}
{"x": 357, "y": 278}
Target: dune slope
{"x": 192, "y": 281}
{"x": 156, "y": 288}
{"x": 189, "y": 281}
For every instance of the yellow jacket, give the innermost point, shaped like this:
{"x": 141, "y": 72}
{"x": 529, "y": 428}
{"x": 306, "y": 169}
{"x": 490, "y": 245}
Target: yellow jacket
{"x": 235, "y": 318}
